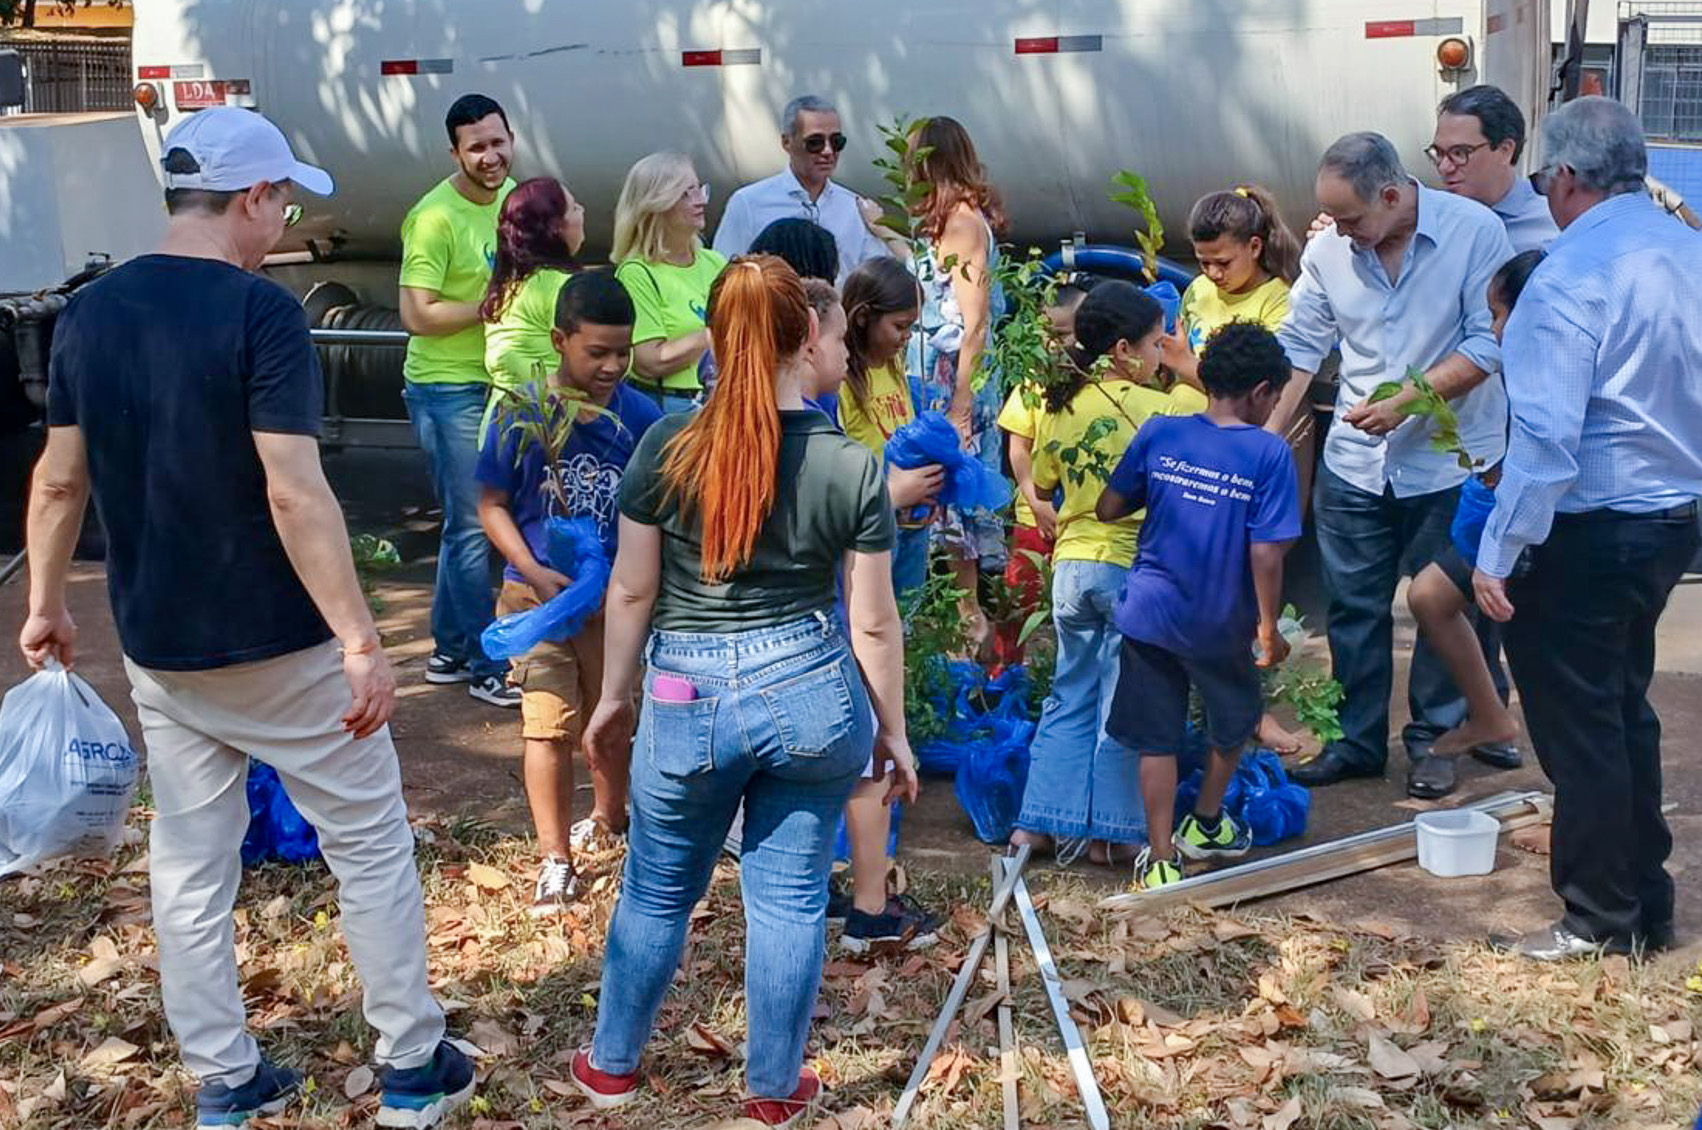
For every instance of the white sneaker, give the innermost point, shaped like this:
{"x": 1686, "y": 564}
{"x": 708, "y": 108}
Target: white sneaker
{"x": 494, "y": 689}
{"x": 591, "y": 837}
{"x": 557, "y": 884}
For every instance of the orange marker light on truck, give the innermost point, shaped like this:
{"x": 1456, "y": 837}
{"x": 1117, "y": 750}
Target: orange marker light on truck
{"x": 1454, "y": 54}
{"x": 147, "y": 96}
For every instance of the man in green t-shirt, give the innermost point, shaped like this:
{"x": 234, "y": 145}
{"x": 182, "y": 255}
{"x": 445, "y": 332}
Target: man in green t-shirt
{"x": 448, "y": 249}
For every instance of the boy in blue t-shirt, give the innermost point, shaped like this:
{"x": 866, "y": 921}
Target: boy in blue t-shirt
{"x": 1222, "y": 506}
{"x": 560, "y": 682}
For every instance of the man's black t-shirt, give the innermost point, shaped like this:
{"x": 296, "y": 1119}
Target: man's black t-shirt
{"x": 168, "y": 364}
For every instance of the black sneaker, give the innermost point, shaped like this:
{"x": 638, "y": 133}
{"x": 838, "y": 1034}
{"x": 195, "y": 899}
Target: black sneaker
{"x": 495, "y": 690}
{"x": 218, "y": 1107}
{"x": 421, "y": 1096}
{"x": 903, "y": 924}
{"x": 441, "y": 668}
{"x": 838, "y": 898}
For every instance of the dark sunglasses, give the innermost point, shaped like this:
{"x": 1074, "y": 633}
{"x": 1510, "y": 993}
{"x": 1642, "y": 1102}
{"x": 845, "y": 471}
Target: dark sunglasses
{"x": 1543, "y": 179}
{"x": 816, "y": 142}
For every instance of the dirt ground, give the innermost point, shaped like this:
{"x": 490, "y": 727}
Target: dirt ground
{"x": 460, "y": 756}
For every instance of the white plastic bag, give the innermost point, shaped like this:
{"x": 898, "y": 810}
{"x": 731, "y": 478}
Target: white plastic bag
{"x": 67, "y": 770}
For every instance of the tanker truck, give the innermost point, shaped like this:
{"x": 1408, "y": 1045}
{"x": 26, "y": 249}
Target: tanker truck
{"x": 1193, "y": 94}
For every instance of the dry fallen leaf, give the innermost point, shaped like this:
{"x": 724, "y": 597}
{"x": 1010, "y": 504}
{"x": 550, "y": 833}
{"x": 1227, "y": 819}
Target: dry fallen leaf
{"x": 98, "y": 970}
{"x": 357, "y": 1083}
{"x": 492, "y": 1038}
{"x": 1390, "y": 1061}
{"x": 1357, "y": 1096}
{"x": 706, "y": 1041}
{"x": 947, "y": 1069}
{"x": 485, "y": 876}
{"x": 1285, "y": 1117}
{"x": 111, "y": 1051}
{"x": 1354, "y": 1003}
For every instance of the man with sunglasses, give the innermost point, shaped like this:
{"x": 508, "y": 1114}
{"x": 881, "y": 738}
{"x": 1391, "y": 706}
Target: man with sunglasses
{"x": 184, "y": 395}
{"x": 1603, "y": 470}
{"x": 811, "y": 137}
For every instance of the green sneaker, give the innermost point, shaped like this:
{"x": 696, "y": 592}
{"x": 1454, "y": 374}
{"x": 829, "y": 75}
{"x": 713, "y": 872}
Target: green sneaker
{"x": 1151, "y": 874}
{"x": 1230, "y": 841}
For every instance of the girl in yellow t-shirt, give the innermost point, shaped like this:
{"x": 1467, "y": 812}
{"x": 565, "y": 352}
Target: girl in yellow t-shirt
{"x": 538, "y": 233}
{"x": 1083, "y": 787}
{"x": 1248, "y": 260}
{"x": 1035, "y": 521}
{"x": 882, "y": 302}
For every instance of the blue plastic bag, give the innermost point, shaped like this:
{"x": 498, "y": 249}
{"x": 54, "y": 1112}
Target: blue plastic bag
{"x": 1168, "y": 297}
{"x": 1260, "y": 795}
{"x": 1470, "y": 517}
{"x": 985, "y": 746}
{"x": 275, "y": 829}
{"x": 930, "y": 439}
{"x": 576, "y": 550}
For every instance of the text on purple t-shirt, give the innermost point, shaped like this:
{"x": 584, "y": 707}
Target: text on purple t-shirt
{"x": 1210, "y": 492}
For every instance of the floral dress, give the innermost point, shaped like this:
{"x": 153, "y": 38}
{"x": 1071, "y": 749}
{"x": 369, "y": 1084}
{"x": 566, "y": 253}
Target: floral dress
{"x": 978, "y": 534}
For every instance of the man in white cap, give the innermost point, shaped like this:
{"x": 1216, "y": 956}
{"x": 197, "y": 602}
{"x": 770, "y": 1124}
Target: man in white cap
{"x": 185, "y": 395}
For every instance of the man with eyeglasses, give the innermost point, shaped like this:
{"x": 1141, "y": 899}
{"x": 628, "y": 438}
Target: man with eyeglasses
{"x": 184, "y": 395}
{"x": 811, "y": 137}
{"x": 1480, "y": 135}
{"x": 1598, "y": 495}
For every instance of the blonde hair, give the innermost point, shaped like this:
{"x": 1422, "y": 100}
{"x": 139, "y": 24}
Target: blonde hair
{"x": 653, "y": 186}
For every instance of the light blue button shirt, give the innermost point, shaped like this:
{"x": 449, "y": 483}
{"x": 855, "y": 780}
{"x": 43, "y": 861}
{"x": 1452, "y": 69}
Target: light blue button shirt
{"x": 1437, "y": 306}
{"x": 1530, "y": 226}
{"x": 1604, "y": 375}
{"x": 780, "y": 197}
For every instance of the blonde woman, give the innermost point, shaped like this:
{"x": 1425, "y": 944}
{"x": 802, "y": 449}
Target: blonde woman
{"x": 668, "y": 272}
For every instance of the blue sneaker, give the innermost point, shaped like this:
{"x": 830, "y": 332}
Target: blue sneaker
{"x": 421, "y": 1096}
{"x": 218, "y": 1107}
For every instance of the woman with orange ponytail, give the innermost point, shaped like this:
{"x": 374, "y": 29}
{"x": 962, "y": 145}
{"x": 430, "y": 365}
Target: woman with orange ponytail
{"x": 735, "y": 520}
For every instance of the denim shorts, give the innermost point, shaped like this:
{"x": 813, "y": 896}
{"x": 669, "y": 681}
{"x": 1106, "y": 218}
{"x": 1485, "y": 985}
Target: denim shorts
{"x": 1149, "y": 712}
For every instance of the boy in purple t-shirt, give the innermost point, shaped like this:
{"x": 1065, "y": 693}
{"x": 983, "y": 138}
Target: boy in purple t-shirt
{"x": 559, "y": 682}
{"x": 1222, "y": 507}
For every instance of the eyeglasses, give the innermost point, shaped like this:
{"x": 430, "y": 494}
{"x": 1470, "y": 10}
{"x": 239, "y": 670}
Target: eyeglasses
{"x": 1543, "y": 179}
{"x": 696, "y": 192}
{"x": 1456, "y": 155}
{"x": 816, "y": 142}
{"x": 292, "y": 215}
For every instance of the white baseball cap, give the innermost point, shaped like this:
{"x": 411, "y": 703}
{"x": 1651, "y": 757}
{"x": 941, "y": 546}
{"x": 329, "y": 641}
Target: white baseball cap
{"x": 237, "y": 149}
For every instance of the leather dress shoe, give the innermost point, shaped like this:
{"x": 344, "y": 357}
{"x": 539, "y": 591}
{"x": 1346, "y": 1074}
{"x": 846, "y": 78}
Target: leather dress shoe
{"x": 1551, "y": 943}
{"x": 1328, "y": 768}
{"x": 1433, "y": 777}
{"x": 1500, "y": 755}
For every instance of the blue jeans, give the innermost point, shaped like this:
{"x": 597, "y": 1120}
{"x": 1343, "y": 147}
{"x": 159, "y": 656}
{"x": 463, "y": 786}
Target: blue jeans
{"x": 909, "y": 561}
{"x": 446, "y": 422}
{"x": 781, "y": 722}
{"x": 1367, "y": 542}
{"x": 1081, "y": 781}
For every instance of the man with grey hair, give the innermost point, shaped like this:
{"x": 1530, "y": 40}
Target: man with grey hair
{"x": 1400, "y": 284}
{"x": 804, "y": 189}
{"x": 1595, "y": 518}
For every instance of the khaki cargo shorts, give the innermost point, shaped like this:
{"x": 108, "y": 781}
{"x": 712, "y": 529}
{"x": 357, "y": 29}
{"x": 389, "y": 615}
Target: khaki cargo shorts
{"x": 558, "y": 682}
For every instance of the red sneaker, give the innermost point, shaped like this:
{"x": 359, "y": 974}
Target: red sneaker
{"x": 604, "y": 1090}
{"x": 784, "y": 1112}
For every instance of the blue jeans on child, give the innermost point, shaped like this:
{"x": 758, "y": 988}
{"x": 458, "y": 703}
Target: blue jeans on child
{"x": 446, "y": 422}
{"x": 909, "y": 561}
{"x": 782, "y": 722}
{"x": 1082, "y": 783}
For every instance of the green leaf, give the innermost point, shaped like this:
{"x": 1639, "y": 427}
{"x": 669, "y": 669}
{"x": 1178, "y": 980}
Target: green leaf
{"x": 1031, "y": 625}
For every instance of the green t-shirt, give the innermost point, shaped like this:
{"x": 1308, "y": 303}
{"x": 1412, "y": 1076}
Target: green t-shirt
{"x": 670, "y": 302}
{"x": 520, "y": 339}
{"x": 449, "y": 247}
{"x": 833, "y": 499}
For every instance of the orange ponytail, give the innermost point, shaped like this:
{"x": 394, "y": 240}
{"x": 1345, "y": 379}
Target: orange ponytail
{"x": 725, "y": 463}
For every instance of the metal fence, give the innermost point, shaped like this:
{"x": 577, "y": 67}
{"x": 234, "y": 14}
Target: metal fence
{"x": 72, "y": 76}
{"x": 1660, "y": 46}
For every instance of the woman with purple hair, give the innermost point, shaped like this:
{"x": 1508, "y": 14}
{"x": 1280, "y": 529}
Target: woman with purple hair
{"x": 538, "y": 233}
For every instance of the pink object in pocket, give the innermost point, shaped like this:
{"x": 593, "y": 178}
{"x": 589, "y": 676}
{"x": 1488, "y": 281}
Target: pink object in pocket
{"x": 672, "y": 688}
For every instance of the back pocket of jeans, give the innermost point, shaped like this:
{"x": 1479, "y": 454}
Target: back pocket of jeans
{"x": 812, "y": 713}
{"x": 681, "y": 734}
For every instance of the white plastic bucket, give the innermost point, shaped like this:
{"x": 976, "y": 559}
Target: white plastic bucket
{"x": 1457, "y": 842}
